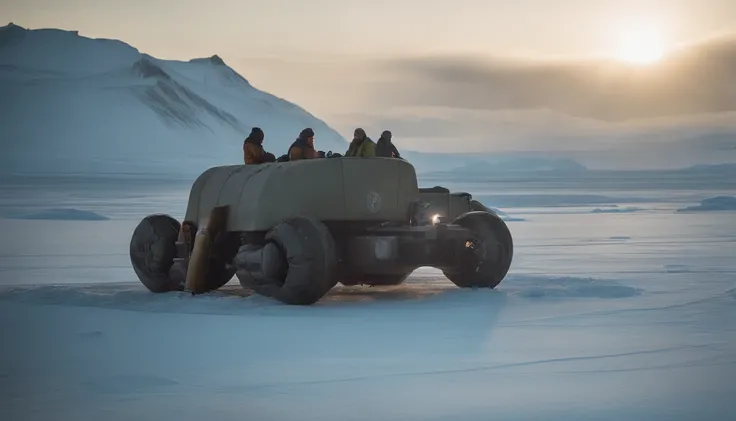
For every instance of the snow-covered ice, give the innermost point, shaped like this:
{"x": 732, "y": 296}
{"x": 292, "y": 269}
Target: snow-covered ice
{"x": 616, "y": 210}
{"x": 603, "y": 316}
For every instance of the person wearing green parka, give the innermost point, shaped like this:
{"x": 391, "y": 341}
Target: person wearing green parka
{"x": 361, "y": 146}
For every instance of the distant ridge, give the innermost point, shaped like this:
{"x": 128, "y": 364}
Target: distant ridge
{"x": 73, "y": 104}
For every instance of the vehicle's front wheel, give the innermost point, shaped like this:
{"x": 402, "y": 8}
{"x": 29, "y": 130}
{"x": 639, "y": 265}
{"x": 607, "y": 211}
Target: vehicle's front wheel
{"x": 297, "y": 265}
{"x": 487, "y": 255}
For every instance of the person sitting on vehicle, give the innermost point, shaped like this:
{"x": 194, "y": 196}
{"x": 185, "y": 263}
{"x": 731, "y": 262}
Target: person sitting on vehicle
{"x": 253, "y": 152}
{"x": 303, "y": 146}
{"x": 385, "y": 148}
{"x": 361, "y": 146}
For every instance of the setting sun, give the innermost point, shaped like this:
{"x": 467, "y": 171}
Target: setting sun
{"x": 641, "y": 48}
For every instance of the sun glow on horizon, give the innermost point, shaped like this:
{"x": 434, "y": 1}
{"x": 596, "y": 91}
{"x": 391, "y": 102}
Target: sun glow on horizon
{"x": 641, "y": 47}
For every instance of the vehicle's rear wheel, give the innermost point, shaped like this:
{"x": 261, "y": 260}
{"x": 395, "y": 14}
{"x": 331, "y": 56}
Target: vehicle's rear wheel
{"x": 487, "y": 256}
{"x": 152, "y": 252}
{"x": 297, "y": 265}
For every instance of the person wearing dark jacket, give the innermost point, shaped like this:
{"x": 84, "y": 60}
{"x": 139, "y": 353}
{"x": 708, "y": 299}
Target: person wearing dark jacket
{"x": 253, "y": 152}
{"x": 385, "y": 148}
{"x": 303, "y": 146}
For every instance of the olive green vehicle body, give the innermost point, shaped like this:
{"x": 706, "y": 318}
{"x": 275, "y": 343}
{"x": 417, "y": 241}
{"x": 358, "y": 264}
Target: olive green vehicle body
{"x": 363, "y": 220}
{"x": 338, "y": 189}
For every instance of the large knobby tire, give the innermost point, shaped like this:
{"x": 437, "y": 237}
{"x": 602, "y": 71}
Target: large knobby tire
{"x": 152, "y": 252}
{"x": 153, "y": 249}
{"x": 492, "y": 244}
{"x": 310, "y": 254}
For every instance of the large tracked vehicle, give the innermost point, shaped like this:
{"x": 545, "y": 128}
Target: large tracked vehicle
{"x": 293, "y": 230}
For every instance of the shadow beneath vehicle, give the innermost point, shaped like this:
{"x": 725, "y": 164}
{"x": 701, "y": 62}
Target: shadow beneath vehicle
{"x": 409, "y": 290}
{"x": 420, "y": 285}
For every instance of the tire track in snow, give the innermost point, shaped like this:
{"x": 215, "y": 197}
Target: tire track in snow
{"x": 531, "y": 322}
{"x": 471, "y": 369}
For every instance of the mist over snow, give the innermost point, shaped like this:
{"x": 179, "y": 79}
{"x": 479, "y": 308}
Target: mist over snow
{"x": 522, "y": 164}
{"x": 73, "y": 104}
{"x": 59, "y": 214}
{"x": 713, "y": 204}
{"x": 604, "y": 114}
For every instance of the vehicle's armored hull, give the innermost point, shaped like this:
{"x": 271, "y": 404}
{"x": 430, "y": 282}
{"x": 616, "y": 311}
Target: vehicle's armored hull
{"x": 339, "y": 189}
{"x": 293, "y": 230}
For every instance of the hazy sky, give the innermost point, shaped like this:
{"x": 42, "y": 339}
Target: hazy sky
{"x": 281, "y": 28}
{"x": 439, "y": 70}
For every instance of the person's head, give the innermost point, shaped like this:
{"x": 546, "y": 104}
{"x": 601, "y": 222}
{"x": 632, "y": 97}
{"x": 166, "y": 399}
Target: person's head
{"x": 386, "y": 135}
{"x": 308, "y": 136}
{"x": 256, "y": 135}
{"x": 359, "y": 134}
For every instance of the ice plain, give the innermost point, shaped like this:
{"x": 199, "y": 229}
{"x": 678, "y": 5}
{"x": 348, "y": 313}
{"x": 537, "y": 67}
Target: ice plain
{"x": 620, "y": 315}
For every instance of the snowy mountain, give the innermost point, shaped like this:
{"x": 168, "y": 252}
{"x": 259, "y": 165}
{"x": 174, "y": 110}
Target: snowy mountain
{"x": 72, "y": 104}
{"x": 725, "y": 169}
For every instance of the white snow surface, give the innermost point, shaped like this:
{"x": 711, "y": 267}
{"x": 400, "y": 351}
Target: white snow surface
{"x": 73, "y": 104}
{"x": 604, "y": 316}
